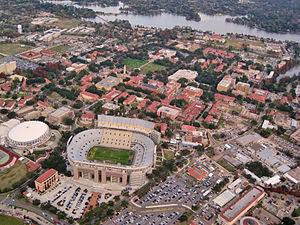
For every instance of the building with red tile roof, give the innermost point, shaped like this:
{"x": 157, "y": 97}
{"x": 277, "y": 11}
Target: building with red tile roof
{"x": 162, "y": 127}
{"x": 259, "y": 95}
{"x": 24, "y": 100}
{"x": 6, "y": 86}
{"x": 131, "y": 99}
{"x": 10, "y": 104}
{"x": 192, "y": 93}
{"x": 168, "y": 112}
{"x": 153, "y": 107}
{"x": 30, "y": 55}
{"x": 223, "y": 98}
{"x": 47, "y": 180}
{"x": 87, "y": 118}
{"x": 218, "y": 52}
{"x": 32, "y": 166}
{"x": 48, "y": 52}
{"x": 122, "y": 95}
{"x": 197, "y": 173}
{"x": 43, "y": 104}
{"x": 218, "y": 109}
{"x": 111, "y": 95}
{"x": 88, "y": 97}
{"x": 192, "y": 111}
{"x": 188, "y": 128}
{"x": 142, "y": 104}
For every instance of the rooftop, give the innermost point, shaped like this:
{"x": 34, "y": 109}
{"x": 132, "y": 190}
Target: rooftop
{"x": 46, "y": 175}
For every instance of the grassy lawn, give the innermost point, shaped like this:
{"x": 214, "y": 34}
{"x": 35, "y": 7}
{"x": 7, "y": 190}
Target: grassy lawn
{"x": 226, "y": 165}
{"x": 13, "y": 175}
{"x": 168, "y": 154}
{"x": 133, "y": 63}
{"x": 296, "y": 212}
{"x": 9, "y": 220}
{"x": 55, "y": 96}
{"x": 152, "y": 67}
{"x": 60, "y": 48}
{"x": 112, "y": 155}
{"x": 13, "y": 48}
{"x": 238, "y": 43}
{"x": 67, "y": 23}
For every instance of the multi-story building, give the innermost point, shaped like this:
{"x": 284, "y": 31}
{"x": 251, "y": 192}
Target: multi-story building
{"x": 8, "y": 68}
{"x": 47, "y": 180}
{"x": 241, "y": 205}
{"x": 225, "y": 84}
{"x": 56, "y": 117}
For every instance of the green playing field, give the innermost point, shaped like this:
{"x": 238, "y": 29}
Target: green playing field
{"x": 111, "y": 155}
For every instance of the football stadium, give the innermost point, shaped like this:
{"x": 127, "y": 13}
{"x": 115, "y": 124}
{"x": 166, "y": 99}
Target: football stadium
{"x": 121, "y": 151}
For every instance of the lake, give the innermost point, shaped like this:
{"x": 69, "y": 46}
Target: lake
{"x": 215, "y": 23}
{"x": 293, "y": 71}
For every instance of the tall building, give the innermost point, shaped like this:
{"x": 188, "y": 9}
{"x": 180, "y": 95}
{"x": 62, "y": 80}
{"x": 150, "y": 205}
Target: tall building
{"x": 226, "y": 83}
{"x": 47, "y": 180}
{"x": 8, "y": 67}
{"x": 20, "y": 29}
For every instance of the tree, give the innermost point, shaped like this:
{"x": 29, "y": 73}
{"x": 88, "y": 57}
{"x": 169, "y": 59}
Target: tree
{"x": 55, "y": 161}
{"x": 287, "y": 221}
{"x": 36, "y": 202}
{"x": 11, "y": 115}
{"x": 124, "y": 203}
{"x": 183, "y": 217}
{"x": 169, "y": 133}
{"x": 68, "y": 121}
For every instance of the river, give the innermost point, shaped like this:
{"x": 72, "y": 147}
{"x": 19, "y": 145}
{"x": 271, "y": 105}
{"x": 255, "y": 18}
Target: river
{"x": 215, "y": 23}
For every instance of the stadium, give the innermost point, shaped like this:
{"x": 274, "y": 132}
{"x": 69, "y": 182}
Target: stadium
{"x": 28, "y": 134}
{"x": 120, "y": 151}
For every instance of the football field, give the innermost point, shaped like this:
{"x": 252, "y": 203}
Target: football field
{"x": 111, "y": 155}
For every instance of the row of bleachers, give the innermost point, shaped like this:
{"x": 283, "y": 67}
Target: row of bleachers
{"x": 116, "y": 138}
{"x": 81, "y": 143}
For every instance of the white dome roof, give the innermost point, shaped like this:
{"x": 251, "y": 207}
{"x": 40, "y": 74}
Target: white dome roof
{"x": 28, "y": 131}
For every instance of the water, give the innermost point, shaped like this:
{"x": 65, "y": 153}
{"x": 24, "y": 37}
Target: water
{"x": 215, "y": 23}
{"x": 293, "y": 71}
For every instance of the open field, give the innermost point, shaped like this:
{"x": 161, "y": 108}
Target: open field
{"x": 9, "y": 220}
{"x": 13, "y": 175}
{"x": 134, "y": 63}
{"x": 168, "y": 155}
{"x": 296, "y": 212}
{"x": 13, "y": 48}
{"x": 152, "y": 67}
{"x": 238, "y": 43}
{"x": 111, "y": 155}
{"x": 226, "y": 165}
{"x": 67, "y": 23}
{"x": 60, "y": 48}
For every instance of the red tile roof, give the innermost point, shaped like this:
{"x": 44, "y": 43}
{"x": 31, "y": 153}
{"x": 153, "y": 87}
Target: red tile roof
{"x": 197, "y": 173}
{"x": 46, "y": 175}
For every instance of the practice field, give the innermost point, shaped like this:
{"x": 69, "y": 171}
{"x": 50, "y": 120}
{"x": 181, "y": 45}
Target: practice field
{"x": 9, "y": 220}
{"x": 134, "y": 63}
{"x": 111, "y": 155}
{"x": 67, "y": 23}
{"x": 152, "y": 67}
{"x": 13, "y": 48}
{"x": 12, "y": 176}
{"x": 60, "y": 48}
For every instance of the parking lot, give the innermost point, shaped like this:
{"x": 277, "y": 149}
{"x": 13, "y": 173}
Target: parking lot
{"x": 159, "y": 218}
{"x": 69, "y": 197}
{"x": 176, "y": 190}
